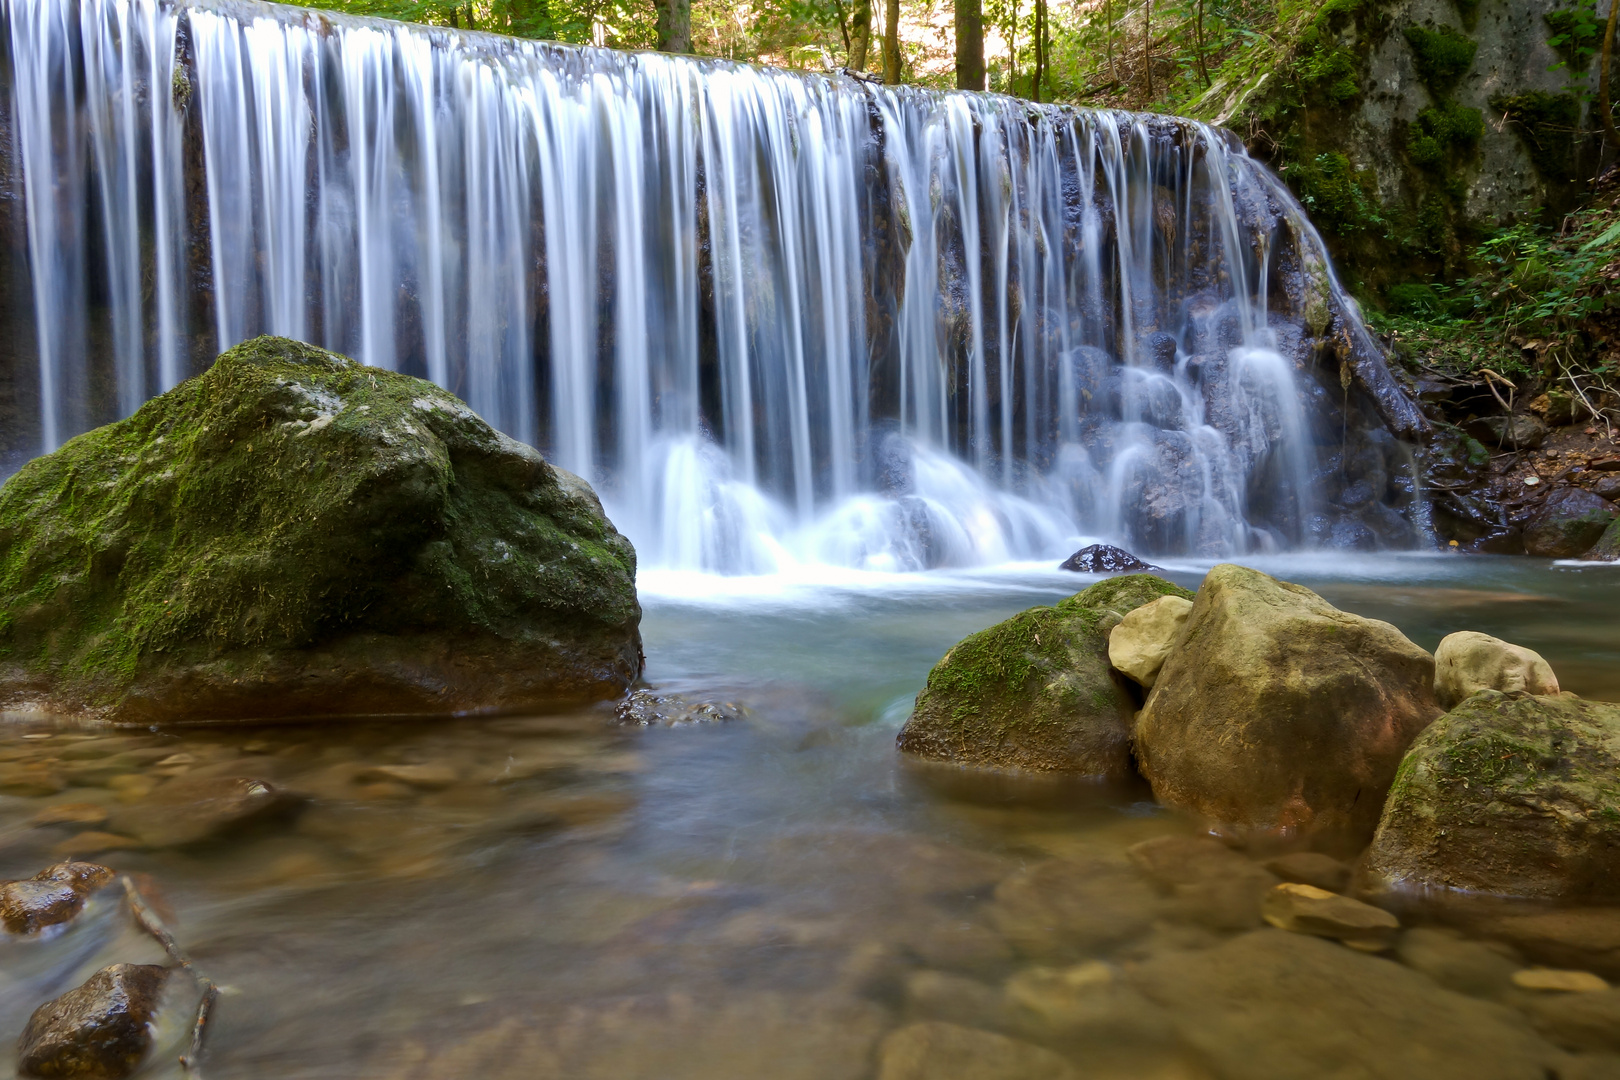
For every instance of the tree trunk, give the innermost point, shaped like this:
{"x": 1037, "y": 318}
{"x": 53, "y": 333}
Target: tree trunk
{"x": 891, "y": 42}
{"x": 1147, "y": 50}
{"x": 1108, "y": 10}
{"x": 1605, "y": 109}
{"x": 1040, "y": 50}
{"x": 969, "y": 45}
{"x": 860, "y": 34}
{"x": 674, "y": 25}
{"x": 1202, "y": 70}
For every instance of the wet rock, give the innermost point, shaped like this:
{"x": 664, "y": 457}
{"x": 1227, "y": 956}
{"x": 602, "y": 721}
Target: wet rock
{"x": 98, "y": 1031}
{"x": 1158, "y": 351}
{"x": 1084, "y": 1003}
{"x": 1311, "y": 868}
{"x": 1508, "y": 794}
{"x": 70, "y": 814}
{"x": 1036, "y": 692}
{"x": 1583, "y": 1022}
{"x": 1479, "y": 969}
{"x": 51, "y": 897}
{"x": 424, "y": 777}
{"x": 955, "y": 999}
{"x": 1568, "y": 524}
{"x": 1607, "y": 548}
{"x": 1213, "y": 886}
{"x": 1279, "y": 715}
{"x": 190, "y": 811}
{"x": 443, "y": 568}
{"x": 1305, "y": 909}
{"x": 1105, "y": 559}
{"x": 938, "y": 1051}
{"x": 1060, "y": 909}
{"x": 1270, "y": 1005}
{"x": 1139, "y": 645}
{"x": 1559, "y": 981}
{"x": 648, "y": 708}
{"x": 1521, "y": 431}
{"x": 1467, "y": 662}
{"x": 1579, "y": 937}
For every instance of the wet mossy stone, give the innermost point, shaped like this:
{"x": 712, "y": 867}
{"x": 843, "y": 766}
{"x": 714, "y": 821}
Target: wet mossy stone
{"x": 1036, "y": 692}
{"x": 294, "y": 534}
{"x": 1509, "y": 794}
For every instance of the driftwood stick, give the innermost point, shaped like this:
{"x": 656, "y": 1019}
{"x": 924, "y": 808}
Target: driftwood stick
{"x": 149, "y": 922}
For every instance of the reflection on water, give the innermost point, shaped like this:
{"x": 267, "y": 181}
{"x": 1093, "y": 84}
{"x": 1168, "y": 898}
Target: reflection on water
{"x": 775, "y": 895}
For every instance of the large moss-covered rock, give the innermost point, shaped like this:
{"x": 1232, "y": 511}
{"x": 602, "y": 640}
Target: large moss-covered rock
{"x": 1511, "y": 794}
{"x": 1279, "y": 715}
{"x": 1036, "y": 692}
{"x": 294, "y": 534}
{"x": 1568, "y": 525}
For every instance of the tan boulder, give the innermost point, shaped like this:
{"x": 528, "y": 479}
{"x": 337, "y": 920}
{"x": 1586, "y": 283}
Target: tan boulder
{"x": 1468, "y": 662}
{"x": 1143, "y": 639}
{"x": 1305, "y": 909}
{"x": 1279, "y": 716}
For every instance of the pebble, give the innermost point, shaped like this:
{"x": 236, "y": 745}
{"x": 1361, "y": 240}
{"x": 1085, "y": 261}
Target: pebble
{"x": 1306, "y": 909}
{"x": 98, "y": 1031}
{"x": 1558, "y": 980}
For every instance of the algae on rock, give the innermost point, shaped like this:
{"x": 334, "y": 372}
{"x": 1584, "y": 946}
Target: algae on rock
{"x": 1036, "y": 692}
{"x": 292, "y": 533}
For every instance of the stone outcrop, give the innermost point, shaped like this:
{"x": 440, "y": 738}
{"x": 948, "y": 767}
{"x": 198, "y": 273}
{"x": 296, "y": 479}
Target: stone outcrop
{"x": 98, "y": 1031}
{"x": 1280, "y": 716}
{"x": 1035, "y": 692}
{"x": 1467, "y": 662}
{"x": 1141, "y": 642}
{"x": 1509, "y": 794}
{"x": 293, "y": 534}
{"x": 1568, "y": 524}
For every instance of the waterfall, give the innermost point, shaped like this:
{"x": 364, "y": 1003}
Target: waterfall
{"x": 775, "y": 318}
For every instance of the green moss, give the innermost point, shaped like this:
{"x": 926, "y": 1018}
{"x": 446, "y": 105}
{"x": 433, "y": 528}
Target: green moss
{"x": 1126, "y": 592}
{"x": 1442, "y": 133}
{"x": 1548, "y": 125}
{"x": 1468, "y": 11}
{"x": 1335, "y": 195}
{"x": 1442, "y": 57}
{"x": 283, "y": 499}
{"x": 1576, "y": 35}
{"x": 1415, "y": 300}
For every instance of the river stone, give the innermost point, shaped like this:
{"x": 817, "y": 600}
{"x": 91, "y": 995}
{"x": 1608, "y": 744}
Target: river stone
{"x": 1270, "y": 1005}
{"x": 1104, "y": 559}
{"x": 1143, "y": 639}
{"x": 51, "y": 897}
{"x": 1477, "y": 968}
{"x": 1061, "y": 909}
{"x": 1607, "y": 548}
{"x": 1467, "y": 662}
{"x": 1583, "y": 1022}
{"x": 191, "y": 811}
{"x": 1560, "y": 981}
{"x": 98, "y": 1031}
{"x": 293, "y": 534}
{"x": 1305, "y": 909}
{"x": 934, "y": 1050}
{"x": 1508, "y": 794}
{"x": 1280, "y": 716}
{"x": 1311, "y": 868}
{"x": 1569, "y": 523}
{"x": 1036, "y": 692}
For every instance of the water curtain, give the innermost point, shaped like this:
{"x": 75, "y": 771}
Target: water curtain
{"x": 776, "y": 318}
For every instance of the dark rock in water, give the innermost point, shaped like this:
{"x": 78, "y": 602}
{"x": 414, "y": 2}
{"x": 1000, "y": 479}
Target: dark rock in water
{"x": 649, "y": 708}
{"x": 1279, "y": 715}
{"x": 294, "y": 534}
{"x": 98, "y": 1031}
{"x": 1158, "y": 351}
{"x": 1568, "y": 525}
{"x": 1607, "y": 549}
{"x": 51, "y": 897}
{"x": 186, "y": 811}
{"x": 1036, "y": 692}
{"x": 1508, "y": 794}
{"x": 1105, "y": 559}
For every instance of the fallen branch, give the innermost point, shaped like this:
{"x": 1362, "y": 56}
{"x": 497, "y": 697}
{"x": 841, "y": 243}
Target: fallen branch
{"x": 149, "y": 922}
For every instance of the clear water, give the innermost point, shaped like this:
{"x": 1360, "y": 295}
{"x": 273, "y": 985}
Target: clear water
{"x": 762, "y": 898}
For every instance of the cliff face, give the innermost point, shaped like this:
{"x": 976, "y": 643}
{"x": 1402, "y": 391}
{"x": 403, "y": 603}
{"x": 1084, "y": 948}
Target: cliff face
{"x": 1411, "y": 128}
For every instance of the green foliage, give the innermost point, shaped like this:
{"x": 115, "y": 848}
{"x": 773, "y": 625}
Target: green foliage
{"x": 1442, "y": 57}
{"x": 1415, "y": 300}
{"x": 1334, "y": 195}
{"x": 1576, "y": 34}
{"x": 1443, "y": 131}
{"x": 1548, "y": 125}
{"x": 1328, "y": 71}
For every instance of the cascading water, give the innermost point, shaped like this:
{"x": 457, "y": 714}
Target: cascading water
{"x": 775, "y": 318}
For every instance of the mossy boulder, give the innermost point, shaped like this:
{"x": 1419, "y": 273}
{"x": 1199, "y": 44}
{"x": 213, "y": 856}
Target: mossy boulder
{"x": 1036, "y": 692}
{"x": 1569, "y": 524}
{"x": 1279, "y": 717}
{"x": 1511, "y": 794}
{"x": 294, "y": 534}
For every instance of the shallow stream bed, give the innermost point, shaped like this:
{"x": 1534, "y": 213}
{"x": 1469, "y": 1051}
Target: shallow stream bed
{"x": 777, "y": 894}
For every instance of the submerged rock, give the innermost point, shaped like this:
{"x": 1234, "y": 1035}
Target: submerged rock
{"x": 1569, "y": 524}
{"x": 51, "y": 897}
{"x": 645, "y": 707}
{"x": 934, "y": 1050}
{"x": 1036, "y": 692}
{"x": 98, "y": 1031}
{"x": 1509, "y": 794}
{"x": 1105, "y": 559}
{"x": 191, "y": 811}
{"x": 1468, "y": 662}
{"x": 1280, "y": 715}
{"x": 1305, "y": 909}
{"x": 1142, "y": 641}
{"x": 294, "y": 534}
